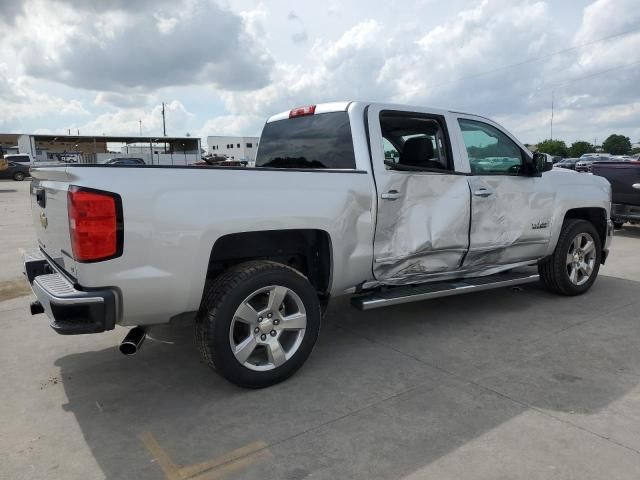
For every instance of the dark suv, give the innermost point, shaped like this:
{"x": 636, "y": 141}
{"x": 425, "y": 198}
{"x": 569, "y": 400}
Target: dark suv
{"x": 17, "y": 171}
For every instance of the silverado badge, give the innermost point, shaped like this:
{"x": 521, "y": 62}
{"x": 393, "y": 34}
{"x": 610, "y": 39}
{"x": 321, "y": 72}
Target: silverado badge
{"x": 539, "y": 225}
{"x": 43, "y": 220}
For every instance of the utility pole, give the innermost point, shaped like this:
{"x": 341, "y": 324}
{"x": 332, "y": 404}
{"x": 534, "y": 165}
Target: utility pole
{"x": 164, "y": 125}
{"x": 140, "y": 121}
{"x": 552, "y": 114}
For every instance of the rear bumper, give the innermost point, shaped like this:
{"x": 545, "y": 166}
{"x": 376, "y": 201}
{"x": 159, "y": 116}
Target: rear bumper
{"x": 71, "y": 310}
{"x": 626, "y": 213}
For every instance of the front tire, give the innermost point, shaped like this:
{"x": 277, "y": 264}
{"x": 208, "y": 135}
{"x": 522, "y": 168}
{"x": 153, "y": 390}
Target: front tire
{"x": 18, "y": 176}
{"x": 258, "y": 323}
{"x": 575, "y": 263}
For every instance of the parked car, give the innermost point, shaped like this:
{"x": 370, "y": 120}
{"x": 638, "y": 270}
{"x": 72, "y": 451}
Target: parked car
{"x": 585, "y": 163}
{"x": 254, "y": 255}
{"x": 624, "y": 178}
{"x": 569, "y": 163}
{"x": 16, "y": 171}
{"x": 18, "y": 158}
{"x": 125, "y": 161}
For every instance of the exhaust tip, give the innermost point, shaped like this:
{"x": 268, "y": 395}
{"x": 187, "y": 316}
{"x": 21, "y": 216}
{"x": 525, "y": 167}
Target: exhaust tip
{"x": 133, "y": 341}
{"x": 36, "y": 308}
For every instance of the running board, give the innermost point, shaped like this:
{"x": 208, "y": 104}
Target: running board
{"x": 415, "y": 293}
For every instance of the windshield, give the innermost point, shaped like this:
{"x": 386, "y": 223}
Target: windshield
{"x": 313, "y": 141}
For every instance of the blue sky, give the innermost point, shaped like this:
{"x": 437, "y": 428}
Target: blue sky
{"x": 222, "y": 67}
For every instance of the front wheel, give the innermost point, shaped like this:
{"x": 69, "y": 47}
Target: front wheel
{"x": 575, "y": 263}
{"x": 258, "y": 323}
{"x": 18, "y": 176}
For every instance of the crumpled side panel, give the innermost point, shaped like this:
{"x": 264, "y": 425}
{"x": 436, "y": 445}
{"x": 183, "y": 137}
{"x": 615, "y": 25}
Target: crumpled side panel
{"x": 510, "y": 225}
{"x": 424, "y": 231}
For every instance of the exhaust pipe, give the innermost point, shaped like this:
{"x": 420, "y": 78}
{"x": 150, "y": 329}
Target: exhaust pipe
{"x": 36, "y": 308}
{"x": 133, "y": 341}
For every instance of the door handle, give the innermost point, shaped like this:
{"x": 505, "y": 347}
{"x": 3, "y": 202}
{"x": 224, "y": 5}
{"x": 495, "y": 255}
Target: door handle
{"x": 483, "y": 192}
{"x": 391, "y": 195}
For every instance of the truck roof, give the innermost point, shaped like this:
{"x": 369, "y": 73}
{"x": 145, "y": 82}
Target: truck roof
{"x": 344, "y": 105}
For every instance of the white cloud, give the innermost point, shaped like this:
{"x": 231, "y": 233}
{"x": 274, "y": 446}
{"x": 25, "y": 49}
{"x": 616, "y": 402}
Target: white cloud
{"x": 19, "y": 100}
{"x": 127, "y": 121}
{"x": 166, "y": 44}
{"x": 491, "y": 57}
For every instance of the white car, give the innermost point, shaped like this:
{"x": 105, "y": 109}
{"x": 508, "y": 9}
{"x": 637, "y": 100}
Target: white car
{"x": 386, "y": 203}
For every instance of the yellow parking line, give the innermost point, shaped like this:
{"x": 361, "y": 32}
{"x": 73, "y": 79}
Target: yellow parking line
{"x": 170, "y": 469}
{"x": 229, "y": 462}
{"x": 214, "y": 469}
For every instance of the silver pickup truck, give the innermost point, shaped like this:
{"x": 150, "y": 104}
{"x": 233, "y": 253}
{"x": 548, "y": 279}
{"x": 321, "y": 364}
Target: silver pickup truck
{"x": 387, "y": 203}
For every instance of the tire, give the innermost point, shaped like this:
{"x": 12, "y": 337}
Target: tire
{"x": 18, "y": 176}
{"x": 224, "y": 323}
{"x": 556, "y": 273}
{"x": 618, "y": 225}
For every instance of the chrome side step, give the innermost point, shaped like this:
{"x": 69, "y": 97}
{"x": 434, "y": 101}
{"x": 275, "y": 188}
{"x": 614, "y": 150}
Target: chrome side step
{"x": 415, "y": 293}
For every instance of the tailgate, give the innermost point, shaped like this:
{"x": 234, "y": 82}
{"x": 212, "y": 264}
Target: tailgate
{"x": 49, "y": 188}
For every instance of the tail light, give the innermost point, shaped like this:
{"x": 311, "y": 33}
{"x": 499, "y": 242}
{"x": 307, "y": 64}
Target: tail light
{"x": 95, "y": 224}
{"x": 302, "y": 111}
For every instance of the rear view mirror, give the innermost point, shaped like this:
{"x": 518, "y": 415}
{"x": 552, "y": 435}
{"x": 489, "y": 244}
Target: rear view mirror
{"x": 542, "y": 163}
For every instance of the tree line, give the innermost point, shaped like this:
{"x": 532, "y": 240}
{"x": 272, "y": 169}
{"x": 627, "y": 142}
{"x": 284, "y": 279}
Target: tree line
{"x": 614, "y": 144}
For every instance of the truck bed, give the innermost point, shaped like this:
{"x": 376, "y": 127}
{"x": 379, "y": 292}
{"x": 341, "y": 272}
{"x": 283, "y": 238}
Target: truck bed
{"x": 173, "y": 216}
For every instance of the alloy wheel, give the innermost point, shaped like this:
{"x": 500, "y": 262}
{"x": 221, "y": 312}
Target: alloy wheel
{"x": 267, "y": 328}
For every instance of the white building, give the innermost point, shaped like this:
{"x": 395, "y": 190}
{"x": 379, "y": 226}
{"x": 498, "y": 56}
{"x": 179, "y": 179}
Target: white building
{"x": 236, "y": 148}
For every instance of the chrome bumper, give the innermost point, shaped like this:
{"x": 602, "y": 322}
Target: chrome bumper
{"x": 71, "y": 311}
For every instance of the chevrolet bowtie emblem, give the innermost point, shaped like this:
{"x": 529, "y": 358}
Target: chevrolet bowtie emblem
{"x": 43, "y": 220}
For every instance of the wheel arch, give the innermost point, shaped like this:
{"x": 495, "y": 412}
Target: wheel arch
{"x": 594, "y": 215}
{"x": 307, "y": 250}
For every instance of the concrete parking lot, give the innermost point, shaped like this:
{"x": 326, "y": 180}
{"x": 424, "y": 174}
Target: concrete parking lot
{"x": 513, "y": 384}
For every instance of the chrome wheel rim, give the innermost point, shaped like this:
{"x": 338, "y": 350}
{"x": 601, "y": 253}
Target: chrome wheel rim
{"x": 267, "y": 328}
{"x": 581, "y": 259}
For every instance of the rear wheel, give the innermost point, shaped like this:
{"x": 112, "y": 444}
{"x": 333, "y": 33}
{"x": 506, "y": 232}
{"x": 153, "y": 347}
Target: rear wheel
{"x": 575, "y": 263}
{"x": 617, "y": 224}
{"x": 258, "y": 323}
{"x": 18, "y": 176}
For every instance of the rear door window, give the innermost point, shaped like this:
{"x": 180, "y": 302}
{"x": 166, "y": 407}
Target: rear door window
{"x": 321, "y": 141}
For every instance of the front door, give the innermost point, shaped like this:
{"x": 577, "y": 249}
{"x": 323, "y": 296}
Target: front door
{"x": 510, "y": 213}
{"x": 423, "y": 204}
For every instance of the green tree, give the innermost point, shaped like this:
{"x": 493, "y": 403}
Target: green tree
{"x": 553, "y": 147}
{"x": 579, "y": 148}
{"x": 635, "y": 151}
{"x": 617, "y": 145}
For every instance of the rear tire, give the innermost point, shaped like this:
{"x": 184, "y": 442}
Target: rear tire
{"x": 575, "y": 263}
{"x": 258, "y": 323}
{"x": 18, "y": 176}
{"x": 618, "y": 225}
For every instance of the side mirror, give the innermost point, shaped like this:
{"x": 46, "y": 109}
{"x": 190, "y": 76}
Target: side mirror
{"x": 541, "y": 162}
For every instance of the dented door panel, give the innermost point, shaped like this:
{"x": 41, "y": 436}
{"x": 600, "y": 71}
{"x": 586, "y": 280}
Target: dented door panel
{"x": 511, "y": 223}
{"x": 422, "y": 221}
{"x": 426, "y": 229}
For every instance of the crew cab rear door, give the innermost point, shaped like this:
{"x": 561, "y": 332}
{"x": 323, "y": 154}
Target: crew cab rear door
{"x": 423, "y": 213}
{"x": 510, "y": 213}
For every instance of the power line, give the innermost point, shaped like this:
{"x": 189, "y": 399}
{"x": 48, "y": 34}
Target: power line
{"x": 536, "y": 59}
{"x": 595, "y": 74}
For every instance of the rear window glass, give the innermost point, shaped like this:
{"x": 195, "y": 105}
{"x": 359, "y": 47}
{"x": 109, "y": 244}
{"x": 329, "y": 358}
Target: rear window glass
{"x": 313, "y": 141}
{"x": 21, "y": 158}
